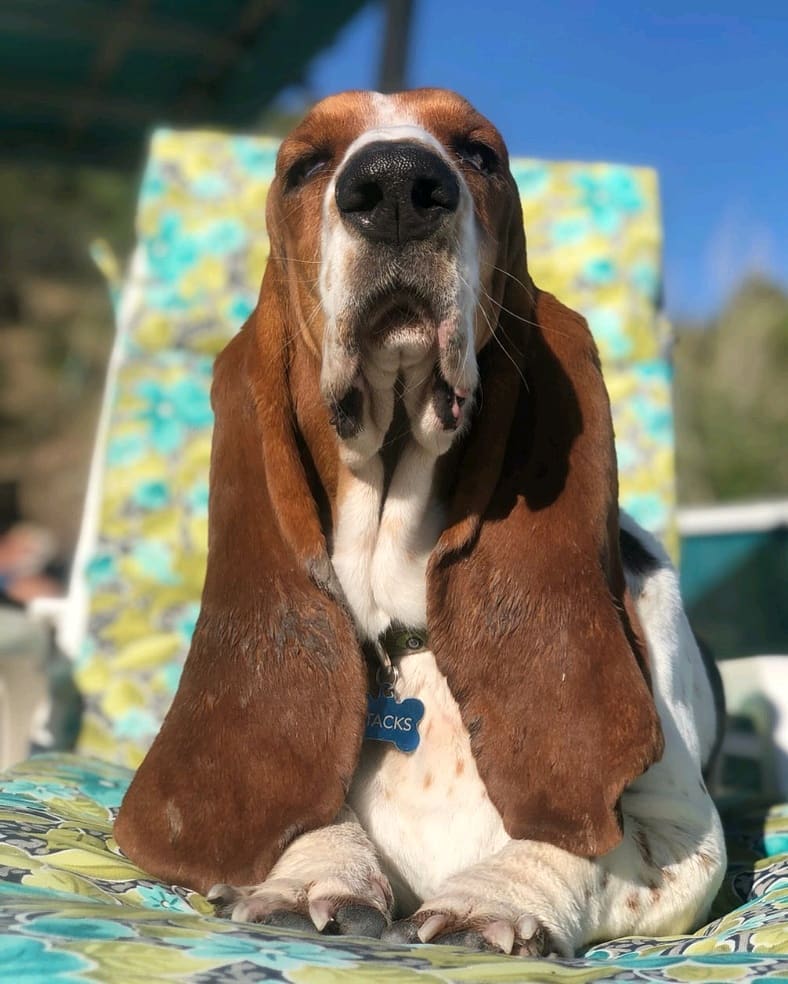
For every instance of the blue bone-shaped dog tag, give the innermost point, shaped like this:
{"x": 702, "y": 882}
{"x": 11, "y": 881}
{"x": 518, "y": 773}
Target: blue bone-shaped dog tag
{"x": 394, "y": 721}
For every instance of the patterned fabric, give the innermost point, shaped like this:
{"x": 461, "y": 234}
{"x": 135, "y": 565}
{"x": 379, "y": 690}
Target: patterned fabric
{"x": 72, "y": 908}
{"x": 594, "y": 240}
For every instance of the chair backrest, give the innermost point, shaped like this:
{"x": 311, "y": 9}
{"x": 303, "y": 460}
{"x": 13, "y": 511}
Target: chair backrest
{"x": 594, "y": 240}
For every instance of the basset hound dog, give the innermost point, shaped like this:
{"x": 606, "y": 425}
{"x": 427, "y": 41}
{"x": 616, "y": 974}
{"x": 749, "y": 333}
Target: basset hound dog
{"x": 440, "y": 689}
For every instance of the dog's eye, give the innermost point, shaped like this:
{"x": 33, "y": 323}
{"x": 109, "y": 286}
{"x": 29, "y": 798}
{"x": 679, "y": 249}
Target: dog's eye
{"x": 478, "y": 155}
{"x": 306, "y": 168}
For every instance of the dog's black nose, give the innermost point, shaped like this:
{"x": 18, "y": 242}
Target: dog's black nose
{"x": 396, "y": 191}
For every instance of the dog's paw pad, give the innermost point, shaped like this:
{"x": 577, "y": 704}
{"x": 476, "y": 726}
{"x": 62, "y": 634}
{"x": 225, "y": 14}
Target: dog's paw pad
{"x": 358, "y": 919}
{"x": 286, "y": 919}
{"x": 328, "y": 907}
{"x": 525, "y": 936}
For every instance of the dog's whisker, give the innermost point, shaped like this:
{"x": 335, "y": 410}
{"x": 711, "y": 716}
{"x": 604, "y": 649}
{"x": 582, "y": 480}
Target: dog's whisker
{"x": 527, "y": 321}
{"x": 526, "y": 287}
{"x": 494, "y": 335}
{"x": 293, "y": 259}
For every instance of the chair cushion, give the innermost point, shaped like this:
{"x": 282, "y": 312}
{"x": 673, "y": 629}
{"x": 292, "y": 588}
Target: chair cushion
{"x": 73, "y": 908}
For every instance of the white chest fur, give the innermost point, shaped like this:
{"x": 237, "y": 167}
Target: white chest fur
{"x": 427, "y": 812}
{"x": 380, "y": 555}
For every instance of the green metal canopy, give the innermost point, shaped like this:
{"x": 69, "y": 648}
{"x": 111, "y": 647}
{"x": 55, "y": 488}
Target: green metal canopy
{"x": 84, "y": 80}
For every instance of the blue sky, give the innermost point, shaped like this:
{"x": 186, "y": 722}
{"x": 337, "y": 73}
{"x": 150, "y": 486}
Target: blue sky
{"x": 698, "y": 90}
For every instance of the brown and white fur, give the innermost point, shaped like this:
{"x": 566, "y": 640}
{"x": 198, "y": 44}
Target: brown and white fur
{"x": 419, "y": 852}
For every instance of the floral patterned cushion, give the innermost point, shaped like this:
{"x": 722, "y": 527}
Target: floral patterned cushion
{"x": 72, "y": 908}
{"x": 594, "y": 239}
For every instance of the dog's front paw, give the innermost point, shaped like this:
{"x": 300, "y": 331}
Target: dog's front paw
{"x": 334, "y": 906}
{"x": 478, "y": 926}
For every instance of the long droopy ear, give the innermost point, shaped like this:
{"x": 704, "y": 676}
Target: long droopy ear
{"x": 264, "y": 732}
{"x": 527, "y": 608}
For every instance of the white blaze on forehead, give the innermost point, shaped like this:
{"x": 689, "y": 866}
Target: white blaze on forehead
{"x": 387, "y": 110}
{"x": 389, "y": 121}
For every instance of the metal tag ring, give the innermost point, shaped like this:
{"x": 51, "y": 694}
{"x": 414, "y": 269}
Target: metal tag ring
{"x": 387, "y": 676}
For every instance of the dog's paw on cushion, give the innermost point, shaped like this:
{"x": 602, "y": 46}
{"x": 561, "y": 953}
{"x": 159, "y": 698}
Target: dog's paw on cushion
{"x": 333, "y": 906}
{"x": 522, "y": 936}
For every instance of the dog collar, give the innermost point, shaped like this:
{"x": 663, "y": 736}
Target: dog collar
{"x": 389, "y": 719}
{"x": 392, "y": 645}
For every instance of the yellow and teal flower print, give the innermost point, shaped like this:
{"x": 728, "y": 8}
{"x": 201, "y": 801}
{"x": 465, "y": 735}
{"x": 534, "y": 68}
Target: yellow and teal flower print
{"x": 611, "y": 197}
{"x": 29, "y": 961}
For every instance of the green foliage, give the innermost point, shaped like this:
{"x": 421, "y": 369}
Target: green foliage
{"x": 56, "y": 329}
{"x": 49, "y": 215}
{"x": 732, "y": 399}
